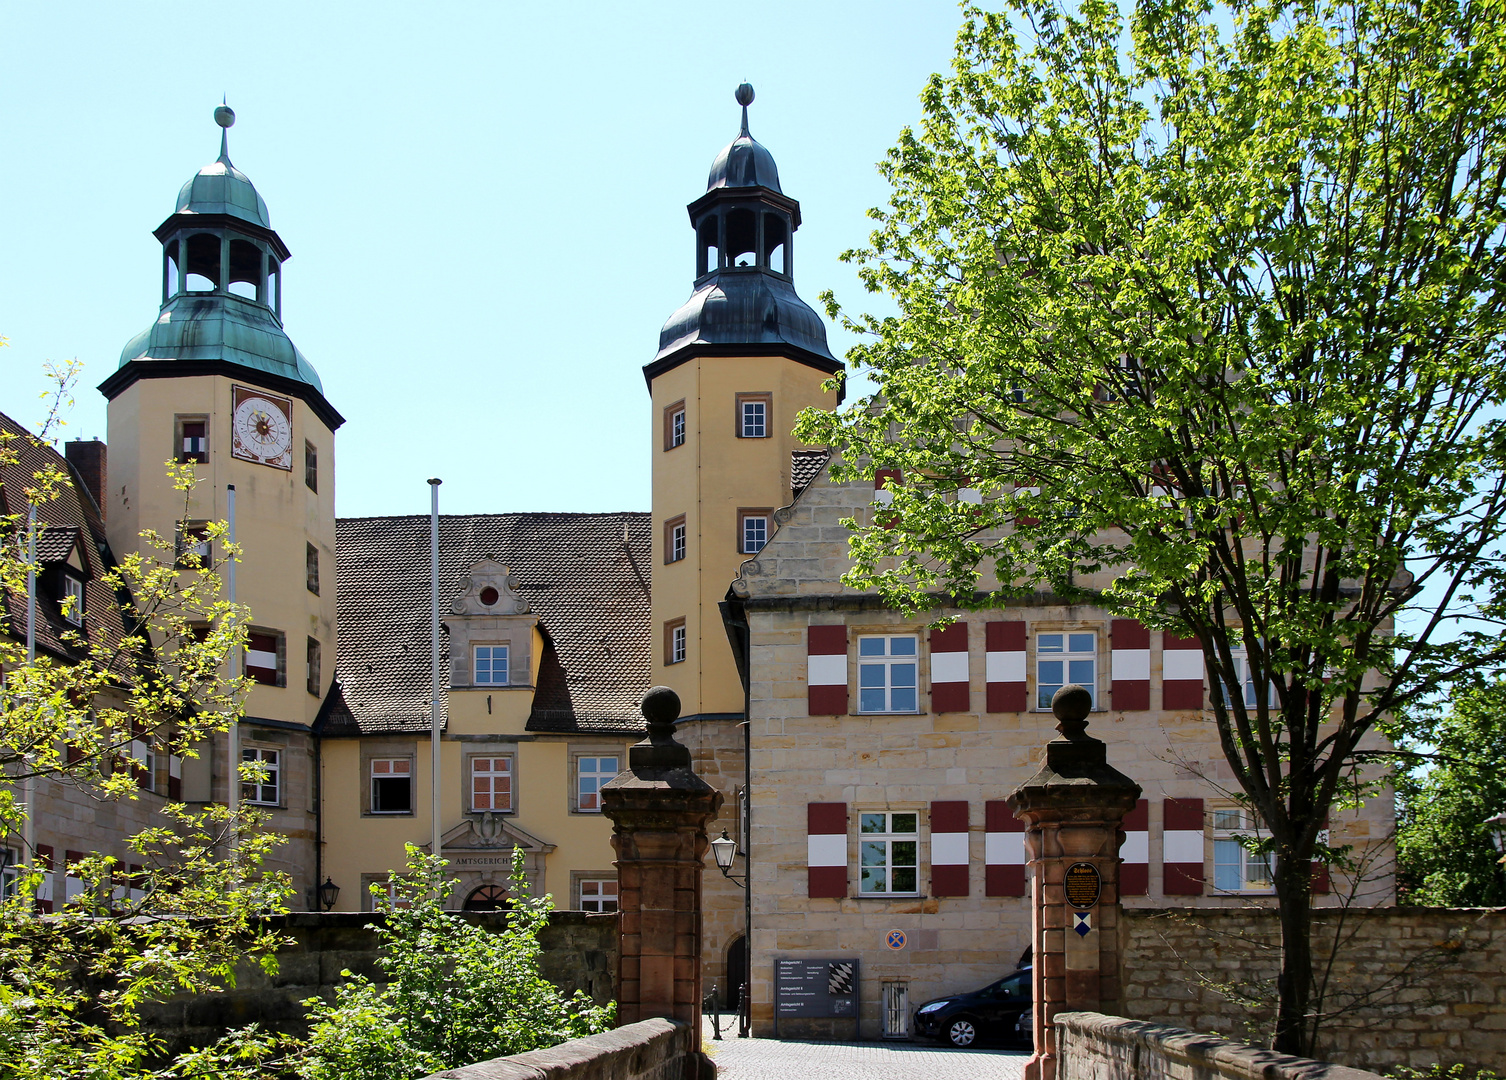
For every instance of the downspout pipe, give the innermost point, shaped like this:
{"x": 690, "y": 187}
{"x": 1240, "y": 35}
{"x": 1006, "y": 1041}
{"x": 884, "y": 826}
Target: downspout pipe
{"x": 735, "y": 621}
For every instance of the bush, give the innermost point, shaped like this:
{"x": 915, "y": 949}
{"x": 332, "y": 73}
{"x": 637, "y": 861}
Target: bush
{"x": 458, "y": 993}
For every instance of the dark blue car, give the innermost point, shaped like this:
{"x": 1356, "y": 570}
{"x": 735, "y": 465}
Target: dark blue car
{"x": 998, "y": 1014}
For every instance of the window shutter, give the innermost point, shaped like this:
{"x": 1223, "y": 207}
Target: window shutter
{"x": 1134, "y": 868}
{"x": 1003, "y": 850}
{"x": 1129, "y": 665}
{"x": 1182, "y": 848}
{"x": 826, "y": 671}
{"x": 1319, "y": 878}
{"x": 261, "y": 657}
{"x": 949, "y": 670}
{"x": 174, "y": 777}
{"x": 1181, "y": 672}
{"x": 826, "y": 849}
{"x": 1004, "y": 666}
{"x": 949, "y": 863}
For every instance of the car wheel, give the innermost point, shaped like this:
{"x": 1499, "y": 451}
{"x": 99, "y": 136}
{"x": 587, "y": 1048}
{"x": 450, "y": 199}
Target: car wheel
{"x": 961, "y": 1033}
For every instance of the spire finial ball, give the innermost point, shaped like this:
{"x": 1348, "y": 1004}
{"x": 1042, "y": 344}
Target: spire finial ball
{"x": 745, "y": 95}
{"x": 224, "y": 115}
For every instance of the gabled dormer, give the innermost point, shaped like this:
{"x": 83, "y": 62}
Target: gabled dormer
{"x": 492, "y": 632}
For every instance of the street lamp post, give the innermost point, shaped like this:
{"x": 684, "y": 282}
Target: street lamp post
{"x": 1497, "y": 827}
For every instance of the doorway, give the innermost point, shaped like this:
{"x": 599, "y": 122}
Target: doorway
{"x": 737, "y": 970}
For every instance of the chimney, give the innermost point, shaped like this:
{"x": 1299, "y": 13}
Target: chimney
{"x": 88, "y": 460}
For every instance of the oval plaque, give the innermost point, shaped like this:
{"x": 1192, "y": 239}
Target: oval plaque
{"x": 1082, "y": 885}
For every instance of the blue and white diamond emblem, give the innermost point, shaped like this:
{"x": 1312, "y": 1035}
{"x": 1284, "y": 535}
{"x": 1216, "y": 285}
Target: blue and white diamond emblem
{"x": 1082, "y": 922}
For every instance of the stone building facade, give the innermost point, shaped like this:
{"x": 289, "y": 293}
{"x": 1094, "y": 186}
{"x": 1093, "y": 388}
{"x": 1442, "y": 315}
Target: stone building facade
{"x": 883, "y": 748}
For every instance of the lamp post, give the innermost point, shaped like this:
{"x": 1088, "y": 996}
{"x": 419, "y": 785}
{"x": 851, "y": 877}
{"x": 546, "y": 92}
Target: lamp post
{"x": 1497, "y": 827}
{"x": 323, "y": 896}
{"x": 724, "y": 851}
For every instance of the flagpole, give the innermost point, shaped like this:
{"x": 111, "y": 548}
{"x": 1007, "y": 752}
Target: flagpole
{"x": 434, "y": 673}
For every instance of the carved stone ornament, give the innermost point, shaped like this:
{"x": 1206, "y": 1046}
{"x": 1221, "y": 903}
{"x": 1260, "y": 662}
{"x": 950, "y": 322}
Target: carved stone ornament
{"x": 490, "y": 589}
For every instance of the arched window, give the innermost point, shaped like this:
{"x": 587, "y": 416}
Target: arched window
{"x": 245, "y": 269}
{"x": 487, "y": 898}
{"x": 170, "y": 277}
{"x": 274, "y": 285}
{"x": 774, "y": 246}
{"x": 708, "y": 252}
{"x": 742, "y": 238}
{"x": 203, "y": 262}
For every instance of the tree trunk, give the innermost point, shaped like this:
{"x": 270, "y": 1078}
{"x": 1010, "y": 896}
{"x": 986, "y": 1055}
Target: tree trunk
{"x": 1294, "y": 984}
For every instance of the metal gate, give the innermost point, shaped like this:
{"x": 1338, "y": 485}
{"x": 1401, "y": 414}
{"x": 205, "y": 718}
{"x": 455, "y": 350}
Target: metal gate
{"x": 896, "y": 1010}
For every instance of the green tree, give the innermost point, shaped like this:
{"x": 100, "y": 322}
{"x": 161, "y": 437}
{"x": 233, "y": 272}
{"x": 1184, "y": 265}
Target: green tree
{"x": 1444, "y": 853}
{"x": 1207, "y": 302}
{"x": 458, "y": 993}
{"x": 72, "y": 983}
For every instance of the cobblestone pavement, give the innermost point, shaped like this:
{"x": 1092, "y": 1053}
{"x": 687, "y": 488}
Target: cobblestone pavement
{"x": 777, "y": 1059}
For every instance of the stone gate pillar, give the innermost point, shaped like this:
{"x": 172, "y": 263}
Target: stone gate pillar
{"x": 659, "y": 810}
{"x": 1073, "y": 809}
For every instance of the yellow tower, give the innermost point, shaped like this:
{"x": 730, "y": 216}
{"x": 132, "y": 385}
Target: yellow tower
{"x": 735, "y": 365}
{"x": 216, "y": 381}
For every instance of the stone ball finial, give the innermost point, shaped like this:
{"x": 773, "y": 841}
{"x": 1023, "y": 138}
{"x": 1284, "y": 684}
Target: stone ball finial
{"x": 224, "y": 115}
{"x": 745, "y": 95}
{"x": 1072, "y": 704}
{"x": 661, "y": 708}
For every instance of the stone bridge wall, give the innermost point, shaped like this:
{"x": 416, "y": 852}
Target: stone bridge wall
{"x": 1408, "y": 986}
{"x": 647, "y": 1050}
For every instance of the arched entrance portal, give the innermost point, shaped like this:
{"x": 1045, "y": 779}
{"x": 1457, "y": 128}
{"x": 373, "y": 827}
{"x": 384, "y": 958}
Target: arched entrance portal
{"x": 487, "y": 898}
{"x": 737, "y": 970}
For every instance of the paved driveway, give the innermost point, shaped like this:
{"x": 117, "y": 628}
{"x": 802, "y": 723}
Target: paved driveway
{"x": 779, "y": 1059}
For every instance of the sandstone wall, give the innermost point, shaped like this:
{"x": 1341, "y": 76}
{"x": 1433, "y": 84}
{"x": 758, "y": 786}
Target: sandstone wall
{"x": 1097, "y": 1047}
{"x": 579, "y": 953}
{"x": 1408, "y": 986}
{"x": 647, "y": 1050}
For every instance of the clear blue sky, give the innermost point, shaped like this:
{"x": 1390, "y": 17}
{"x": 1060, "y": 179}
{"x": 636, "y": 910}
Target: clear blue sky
{"x": 485, "y": 203}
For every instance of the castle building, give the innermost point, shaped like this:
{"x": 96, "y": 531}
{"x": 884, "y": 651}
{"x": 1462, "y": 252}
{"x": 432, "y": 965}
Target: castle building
{"x": 864, "y": 756}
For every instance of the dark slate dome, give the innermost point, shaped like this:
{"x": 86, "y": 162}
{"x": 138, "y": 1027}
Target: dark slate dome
{"x": 745, "y": 309}
{"x": 744, "y": 163}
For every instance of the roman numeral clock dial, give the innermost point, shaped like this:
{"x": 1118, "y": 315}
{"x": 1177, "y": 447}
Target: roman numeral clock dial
{"x": 261, "y": 428}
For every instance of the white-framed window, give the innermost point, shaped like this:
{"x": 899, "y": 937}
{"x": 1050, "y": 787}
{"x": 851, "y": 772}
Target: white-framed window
{"x": 1065, "y": 658}
{"x": 1235, "y": 869}
{"x": 888, "y": 854}
{"x": 73, "y": 590}
{"x": 392, "y": 785}
{"x": 1244, "y": 690}
{"x": 753, "y": 416}
{"x": 491, "y": 784}
{"x": 754, "y": 531}
{"x": 591, "y": 773}
{"x": 674, "y": 539}
{"x": 888, "y": 665}
{"x": 266, "y": 790}
{"x": 674, "y": 642}
{"x": 10, "y": 872}
{"x": 677, "y": 428}
{"x": 598, "y": 894}
{"x": 491, "y": 665}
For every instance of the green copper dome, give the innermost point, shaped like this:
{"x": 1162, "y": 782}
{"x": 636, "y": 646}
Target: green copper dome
{"x": 221, "y": 188}
{"x": 217, "y": 326}
{"x": 222, "y": 291}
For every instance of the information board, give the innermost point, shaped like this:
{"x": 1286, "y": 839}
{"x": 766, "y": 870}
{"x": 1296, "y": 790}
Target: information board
{"x": 1082, "y": 885}
{"x": 816, "y": 987}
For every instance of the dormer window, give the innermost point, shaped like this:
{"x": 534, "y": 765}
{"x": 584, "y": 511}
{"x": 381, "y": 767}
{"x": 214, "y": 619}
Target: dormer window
{"x": 73, "y": 599}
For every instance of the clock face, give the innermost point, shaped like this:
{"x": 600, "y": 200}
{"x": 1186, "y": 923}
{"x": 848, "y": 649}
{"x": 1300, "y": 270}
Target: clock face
{"x": 261, "y": 428}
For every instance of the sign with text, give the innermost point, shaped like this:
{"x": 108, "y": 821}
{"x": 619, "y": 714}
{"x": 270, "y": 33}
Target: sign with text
{"x": 816, "y": 987}
{"x": 1082, "y": 885}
